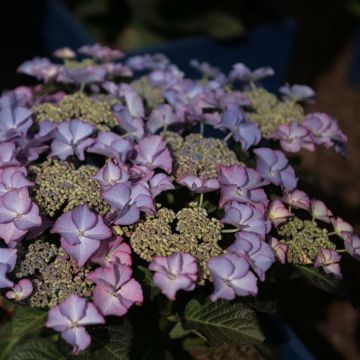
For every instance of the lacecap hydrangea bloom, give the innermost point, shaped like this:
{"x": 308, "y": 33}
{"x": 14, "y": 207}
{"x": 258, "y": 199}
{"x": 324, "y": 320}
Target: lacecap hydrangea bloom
{"x": 127, "y": 188}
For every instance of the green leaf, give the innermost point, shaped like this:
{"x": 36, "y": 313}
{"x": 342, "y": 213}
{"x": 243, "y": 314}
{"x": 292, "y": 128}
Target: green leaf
{"x": 27, "y": 320}
{"x": 148, "y": 280}
{"x": 320, "y": 279}
{"x": 36, "y": 349}
{"x": 108, "y": 343}
{"x": 223, "y": 322}
{"x": 178, "y": 332}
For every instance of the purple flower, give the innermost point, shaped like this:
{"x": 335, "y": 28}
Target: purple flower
{"x": 70, "y": 318}
{"x": 159, "y": 183}
{"x": 352, "y": 244}
{"x": 7, "y": 154}
{"x": 115, "y": 290}
{"x": 13, "y": 178}
{"x": 278, "y": 213}
{"x": 81, "y": 75}
{"x": 297, "y": 199}
{"x": 72, "y": 137}
{"x": 111, "y": 145}
{"x": 64, "y": 53}
{"x": 231, "y": 276}
{"x": 241, "y": 184}
{"x": 113, "y": 251}
{"x": 7, "y": 264}
{"x": 173, "y": 273}
{"x": 205, "y": 68}
{"x": 128, "y": 200}
{"x": 293, "y": 137}
{"x": 324, "y": 130}
{"x": 340, "y": 225}
{"x": 274, "y": 166}
{"x": 246, "y": 218}
{"x": 117, "y": 69}
{"x": 279, "y": 248}
{"x": 112, "y": 173}
{"x": 18, "y": 214}
{"x": 297, "y": 92}
{"x": 160, "y": 117}
{"x": 100, "y": 52}
{"x": 319, "y": 211}
{"x": 81, "y": 231}
{"x": 134, "y": 127}
{"x": 15, "y": 120}
{"x": 259, "y": 253}
{"x": 243, "y": 74}
{"x": 41, "y": 68}
{"x": 153, "y": 153}
{"x": 20, "y": 291}
{"x": 243, "y": 130}
{"x": 148, "y": 61}
{"x": 328, "y": 259}
{"x": 194, "y": 183}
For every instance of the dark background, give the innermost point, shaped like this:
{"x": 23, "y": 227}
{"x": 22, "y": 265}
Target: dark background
{"x": 314, "y": 42}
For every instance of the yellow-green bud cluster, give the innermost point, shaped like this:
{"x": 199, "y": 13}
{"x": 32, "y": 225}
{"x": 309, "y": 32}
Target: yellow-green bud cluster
{"x": 74, "y": 64}
{"x": 174, "y": 140}
{"x": 152, "y": 95}
{"x": 304, "y": 238}
{"x": 188, "y": 231}
{"x": 61, "y": 187}
{"x": 53, "y": 273}
{"x": 77, "y": 106}
{"x": 201, "y": 157}
{"x": 269, "y": 112}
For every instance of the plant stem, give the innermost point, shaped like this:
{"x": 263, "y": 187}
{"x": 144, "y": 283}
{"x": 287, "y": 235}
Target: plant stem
{"x": 229, "y": 231}
{"x": 228, "y": 137}
{"x": 341, "y": 250}
{"x": 202, "y": 128}
{"x": 201, "y": 199}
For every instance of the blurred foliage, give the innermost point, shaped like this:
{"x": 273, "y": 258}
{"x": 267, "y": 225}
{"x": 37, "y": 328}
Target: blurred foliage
{"x": 354, "y": 7}
{"x": 138, "y": 23}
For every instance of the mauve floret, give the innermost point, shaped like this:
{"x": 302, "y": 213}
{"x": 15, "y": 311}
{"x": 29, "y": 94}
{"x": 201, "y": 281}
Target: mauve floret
{"x": 64, "y": 53}
{"x": 112, "y": 251}
{"x": 160, "y": 117}
{"x": 231, "y": 276}
{"x": 41, "y": 68}
{"x": 274, "y": 166}
{"x": 279, "y": 248}
{"x": 20, "y": 291}
{"x": 259, "y": 253}
{"x": 8, "y": 154}
{"x": 352, "y": 244}
{"x": 133, "y": 127}
{"x": 173, "y": 273}
{"x": 340, "y": 225}
{"x": 112, "y": 173}
{"x": 296, "y": 92}
{"x": 246, "y": 218}
{"x": 81, "y": 231}
{"x": 153, "y": 153}
{"x": 18, "y": 214}
{"x": 293, "y": 137}
{"x": 159, "y": 183}
{"x": 7, "y": 264}
{"x": 319, "y": 211}
{"x": 13, "y": 177}
{"x": 148, "y": 62}
{"x": 111, "y": 145}
{"x": 278, "y": 213}
{"x": 116, "y": 291}
{"x": 72, "y": 137}
{"x": 101, "y": 52}
{"x": 241, "y": 184}
{"x": 81, "y": 73}
{"x": 297, "y": 199}
{"x": 70, "y": 318}
{"x": 198, "y": 185}
{"x": 243, "y": 74}
{"x": 328, "y": 260}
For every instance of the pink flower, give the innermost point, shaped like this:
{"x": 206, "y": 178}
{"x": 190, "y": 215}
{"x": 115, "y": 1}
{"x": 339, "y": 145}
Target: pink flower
{"x": 279, "y": 248}
{"x": 194, "y": 183}
{"x": 81, "y": 231}
{"x": 278, "y": 213}
{"x": 297, "y": 199}
{"x": 112, "y": 173}
{"x": 319, "y": 211}
{"x": 115, "y": 290}
{"x": 352, "y": 244}
{"x": 340, "y": 225}
{"x": 7, "y": 264}
{"x": 173, "y": 273}
{"x": 13, "y": 177}
{"x": 328, "y": 259}
{"x": 70, "y": 318}
{"x": 159, "y": 183}
{"x": 21, "y": 290}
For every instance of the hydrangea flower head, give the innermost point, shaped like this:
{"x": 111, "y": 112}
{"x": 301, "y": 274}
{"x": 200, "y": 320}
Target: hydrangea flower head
{"x": 70, "y": 318}
{"x": 173, "y": 273}
{"x": 81, "y": 231}
{"x": 231, "y": 276}
{"x": 116, "y": 291}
